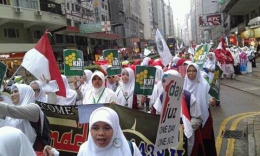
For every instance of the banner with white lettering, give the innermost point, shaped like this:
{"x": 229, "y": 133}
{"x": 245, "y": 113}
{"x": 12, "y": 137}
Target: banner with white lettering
{"x": 73, "y": 62}
{"x": 169, "y": 124}
{"x": 67, "y": 132}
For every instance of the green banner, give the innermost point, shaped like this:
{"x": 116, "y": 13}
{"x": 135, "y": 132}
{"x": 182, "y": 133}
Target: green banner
{"x": 3, "y": 70}
{"x": 201, "y": 54}
{"x": 73, "y": 62}
{"x": 144, "y": 80}
{"x": 68, "y": 134}
{"x": 114, "y": 67}
{"x": 215, "y": 85}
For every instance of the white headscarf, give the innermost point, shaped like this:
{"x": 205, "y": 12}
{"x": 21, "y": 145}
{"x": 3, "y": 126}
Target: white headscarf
{"x": 97, "y": 91}
{"x": 109, "y": 116}
{"x": 27, "y": 96}
{"x": 128, "y": 88}
{"x": 199, "y": 88}
{"x": 111, "y": 86}
{"x": 210, "y": 63}
{"x": 158, "y": 88}
{"x": 158, "y": 103}
{"x": 99, "y": 95}
{"x": 87, "y": 84}
{"x": 145, "y": 61}
{"x": 14, "y": 143}
{"x": 71, "y": 95}
{"x": 41, "y": 97}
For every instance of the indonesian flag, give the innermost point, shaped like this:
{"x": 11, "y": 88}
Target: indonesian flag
{"x": 40, "y": 62}
{"x": 103, "y": 64}
{"x": 186, "y": 119}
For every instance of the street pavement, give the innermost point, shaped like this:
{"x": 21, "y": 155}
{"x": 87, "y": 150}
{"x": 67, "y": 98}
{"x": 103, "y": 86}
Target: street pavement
{"x": 239, "y": 112}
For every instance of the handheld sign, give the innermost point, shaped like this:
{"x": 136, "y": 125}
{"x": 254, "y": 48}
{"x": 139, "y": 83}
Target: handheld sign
{"x": 73, "y": 62}
{"x": 168, "y": 129}
{"x": 3, "y": 70}
{"x": 215, "y": 85}
{"x": 114, "y": 67}
{"x": 144, "y": 80}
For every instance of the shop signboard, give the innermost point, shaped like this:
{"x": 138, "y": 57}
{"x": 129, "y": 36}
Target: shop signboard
{"x": 95, "y": 27}
{"x": 257, "y": 32}
{"x": 209, "y": 20}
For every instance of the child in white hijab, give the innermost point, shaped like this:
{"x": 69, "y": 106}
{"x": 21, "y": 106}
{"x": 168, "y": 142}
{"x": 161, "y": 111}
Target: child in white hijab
{"x": 98, "y": 92}
{"x": 210, "y": 65}
{"x": 106, "y": 137}
{"x": 14, "y": 143}
{"x": 71, "y": 95}
{"x": 125, "y": 92}
{"x": 38, "y": 90}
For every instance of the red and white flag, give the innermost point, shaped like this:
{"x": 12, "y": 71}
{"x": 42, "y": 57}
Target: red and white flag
{"x": 40, "y": 62}
{"x": 103, "y": 64}
{"x": 186, "y": 119}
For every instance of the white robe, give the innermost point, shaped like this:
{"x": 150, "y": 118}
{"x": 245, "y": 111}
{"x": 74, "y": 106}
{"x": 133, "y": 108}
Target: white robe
{"x": 14, "y": 143}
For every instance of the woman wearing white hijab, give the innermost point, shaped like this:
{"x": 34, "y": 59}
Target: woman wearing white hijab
{"x": 14, "y": 143}
{"x": 210, "y": 65}
{"x": 98, "y": 92}
{"x": 40, "y": 95}
{"x": 106, "y": 137}
{"x": 87, "y": 83}
{"x": 22, "y": 111}
{"x": 196, "y": 84}
{"x": 125, "y": 92}
{"x": 158, "y": 88}
{"x": 71, "y": 95}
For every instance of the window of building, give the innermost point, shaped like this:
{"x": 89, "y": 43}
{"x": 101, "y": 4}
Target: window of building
{"x": 92, "y": 41}
{"x": 105, "y": 7}
{"x": 59, "y": 38}
{"x": 69, "y": 39}
{"x": 11, "y": 33}
{"x": 103, "y": 18}
{"x": 73, "y": 7}
{"x": 37, "y": 34}
{"x": 77, "y": 8}
{"x": 68, "y": 6}
{"x": 99, "y": 42}
{"x": 76, "y": 24}
{"x": 68, "y": 22}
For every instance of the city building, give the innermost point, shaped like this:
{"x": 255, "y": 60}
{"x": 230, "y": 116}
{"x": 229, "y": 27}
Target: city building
{"x": 147, "y": 19}
{"x": 22, "y": 24}
{"x": 169, "y": 27}
{"x": 241, "y": 21}
{"x": 196, "y": 11}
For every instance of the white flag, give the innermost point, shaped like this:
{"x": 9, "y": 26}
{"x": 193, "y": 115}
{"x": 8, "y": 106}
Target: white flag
{"x": 163, "y": 49}
{"x": 191, "y": 50}
{"x": 146, "y": 52}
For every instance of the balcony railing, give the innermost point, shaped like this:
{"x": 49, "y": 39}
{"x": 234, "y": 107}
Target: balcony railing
{"x": 50, "y": 7}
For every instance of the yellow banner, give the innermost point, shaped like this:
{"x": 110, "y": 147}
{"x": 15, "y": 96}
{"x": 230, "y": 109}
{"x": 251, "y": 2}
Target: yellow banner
{"x": 247, "y": 34}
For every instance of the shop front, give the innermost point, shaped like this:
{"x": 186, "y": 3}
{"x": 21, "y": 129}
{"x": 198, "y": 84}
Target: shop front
{"x": 248, "y": 38}
{"x": 12, "y": 61}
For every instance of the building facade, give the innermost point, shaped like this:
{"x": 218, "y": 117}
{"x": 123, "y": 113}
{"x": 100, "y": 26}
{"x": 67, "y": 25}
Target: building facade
{"x": 147, "y": 19}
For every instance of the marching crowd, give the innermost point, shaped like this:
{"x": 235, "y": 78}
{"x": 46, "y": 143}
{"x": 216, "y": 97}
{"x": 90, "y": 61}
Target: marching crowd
{"x": 96, "y": 87}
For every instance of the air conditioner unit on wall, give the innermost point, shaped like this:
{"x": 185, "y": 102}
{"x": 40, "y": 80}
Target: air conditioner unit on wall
{"x": 17, "y": 9}
{"x": 39, "y": 13}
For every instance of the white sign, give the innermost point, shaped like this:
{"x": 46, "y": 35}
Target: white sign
{"x": 4, "y": 56}
{"x": 169, "y": 124}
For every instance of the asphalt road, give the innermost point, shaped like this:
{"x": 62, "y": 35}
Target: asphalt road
{"x": 239, "y": 100}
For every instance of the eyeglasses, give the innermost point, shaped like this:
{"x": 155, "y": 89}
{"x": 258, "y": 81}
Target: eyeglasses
{"x": 36, "y": 90}
{"x": 191, "y": 71}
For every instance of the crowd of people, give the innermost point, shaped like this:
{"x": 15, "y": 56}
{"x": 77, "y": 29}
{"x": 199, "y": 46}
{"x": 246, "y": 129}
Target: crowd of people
{"x": 97, "y": 87}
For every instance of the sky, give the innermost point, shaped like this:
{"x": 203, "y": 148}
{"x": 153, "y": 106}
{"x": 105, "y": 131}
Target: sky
{"x": 180, "y": 8}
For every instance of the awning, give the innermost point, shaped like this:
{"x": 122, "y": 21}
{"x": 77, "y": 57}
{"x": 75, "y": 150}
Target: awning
{"x": 254, "y": 21}
{"x": 97, "y": 35}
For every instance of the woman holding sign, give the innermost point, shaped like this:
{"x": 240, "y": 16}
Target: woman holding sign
{"x": 197, "y": 85}
{"x": 98, "y": 92}
{"x": 106, "y": 137}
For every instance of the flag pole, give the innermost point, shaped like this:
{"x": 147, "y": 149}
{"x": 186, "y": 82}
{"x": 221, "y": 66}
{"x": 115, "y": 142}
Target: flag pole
{"x": 14, "y": 73}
